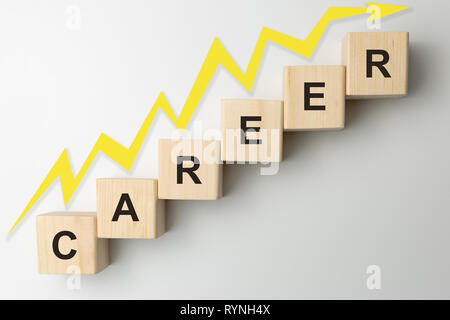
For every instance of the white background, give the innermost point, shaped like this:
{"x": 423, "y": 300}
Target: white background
{"x": 374, "y": 193}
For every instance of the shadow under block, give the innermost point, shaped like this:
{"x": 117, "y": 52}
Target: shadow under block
{"x": 314, "y": 97}
{"x": 129, "y": 208}
{"x": 377, "y": 64}
{"x": 67, "y": 243}
{"x": 189, "y": 169}
{"x": 252, "y": 130}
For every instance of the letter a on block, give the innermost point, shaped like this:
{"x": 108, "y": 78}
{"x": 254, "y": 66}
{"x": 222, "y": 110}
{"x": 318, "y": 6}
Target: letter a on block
{"x": 68, "y": 240}
{"x": 377, "y": 64}
{"x": 129, "y": 208}
{"x": 125, "y": 199}
{"x": 189, "y": 169}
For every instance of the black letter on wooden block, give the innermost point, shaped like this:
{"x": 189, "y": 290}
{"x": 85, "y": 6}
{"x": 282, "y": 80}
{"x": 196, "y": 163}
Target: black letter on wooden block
{"x": 189, "y": 171}
{"x": 125, "y": 198}
{"x": 378, "y": 64}
{"x": 56, "y": 251}
{"x": 244, "y": 130}
{"x": 309, "y": 95}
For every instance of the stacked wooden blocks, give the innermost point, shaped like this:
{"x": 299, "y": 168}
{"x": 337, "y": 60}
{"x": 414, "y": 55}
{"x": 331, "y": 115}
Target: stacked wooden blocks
{"x": 375, "y": 65}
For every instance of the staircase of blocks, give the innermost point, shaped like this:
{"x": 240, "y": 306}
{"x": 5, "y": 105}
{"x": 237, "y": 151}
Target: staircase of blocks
{"x": 375, "y": 65}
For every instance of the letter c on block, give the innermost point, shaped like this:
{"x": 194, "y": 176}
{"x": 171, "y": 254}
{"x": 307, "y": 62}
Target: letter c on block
{"x": 56, "y": 250}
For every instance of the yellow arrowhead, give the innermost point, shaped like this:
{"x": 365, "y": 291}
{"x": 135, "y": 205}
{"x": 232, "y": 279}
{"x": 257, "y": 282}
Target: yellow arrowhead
{"x": 379, "y": 10}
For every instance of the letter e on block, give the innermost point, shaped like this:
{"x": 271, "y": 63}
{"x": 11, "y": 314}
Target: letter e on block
{"x": 66, "y": 240}
{"x": 252, "y": 131}
{"x": 314, "y": 98}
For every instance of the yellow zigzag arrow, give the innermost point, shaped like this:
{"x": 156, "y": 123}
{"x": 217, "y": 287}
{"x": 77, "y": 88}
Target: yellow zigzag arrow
{"x": 217, "y": 55}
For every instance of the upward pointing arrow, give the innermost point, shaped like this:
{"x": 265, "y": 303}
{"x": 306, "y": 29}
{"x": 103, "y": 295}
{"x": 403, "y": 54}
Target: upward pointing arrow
{"x": 217, "y": 56}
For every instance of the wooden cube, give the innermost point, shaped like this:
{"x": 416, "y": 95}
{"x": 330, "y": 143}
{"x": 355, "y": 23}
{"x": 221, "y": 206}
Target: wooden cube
{"x": 129, "y": 208}
{"x": 377, "y": 64}
{"x": 189, "y": 169}
{"x": 252, "y": 130}
{"x": 68, "y": 243}
{"x": 314, "y": 97}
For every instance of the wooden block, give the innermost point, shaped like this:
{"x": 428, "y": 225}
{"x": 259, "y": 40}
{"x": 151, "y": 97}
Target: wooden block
{"x": 314, "y": 97}
{"x": 68, "y": 243}
{"x": 189, "y": 169}
{"x": 129, "y": 208}
{"x": 377, "y": 64}
{"x": 252, "y": 130}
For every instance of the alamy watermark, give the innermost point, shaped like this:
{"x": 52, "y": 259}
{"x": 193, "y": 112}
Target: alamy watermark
{"x": 373, "y": 281}
{"x": 238, "y": 146}
{"x": 74, "y": 280}
{"x": 73, "y": 20}
{"x": 375, "y": 23}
